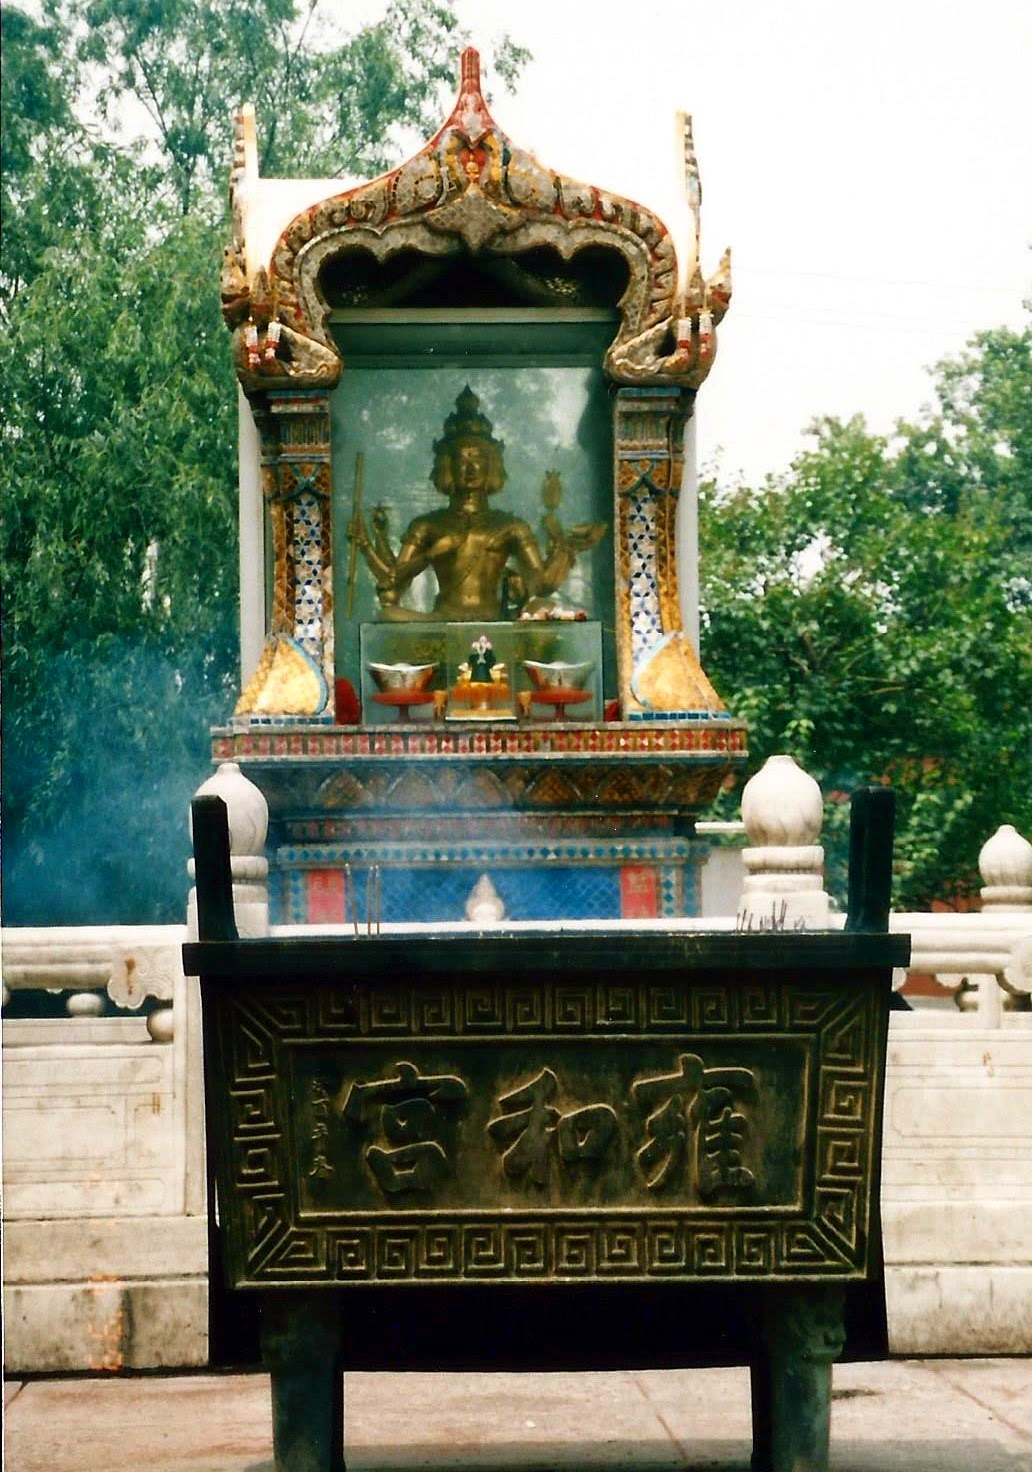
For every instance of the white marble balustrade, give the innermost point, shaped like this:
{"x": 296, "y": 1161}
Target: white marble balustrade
{"x": 105, "y": 1231}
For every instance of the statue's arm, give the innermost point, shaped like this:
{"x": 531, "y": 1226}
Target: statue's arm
{"x": 576, "y": 539}
{"x": 380, "y": 540}
{"x": 392, "y": 573}
{"x": 547, "y": 574}
{"x": 375, "y": 549}
{"x": 541, "y": 575}
{"x": 414, "y": 556}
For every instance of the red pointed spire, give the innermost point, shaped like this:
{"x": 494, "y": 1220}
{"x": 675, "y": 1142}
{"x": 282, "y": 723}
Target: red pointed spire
{"x": 470, "y": 73}
{"x": 470, "y": 115}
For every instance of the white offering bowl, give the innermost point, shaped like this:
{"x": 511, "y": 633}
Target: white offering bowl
{"x": 558, "y": 675}
{"x": 402, "y": 676}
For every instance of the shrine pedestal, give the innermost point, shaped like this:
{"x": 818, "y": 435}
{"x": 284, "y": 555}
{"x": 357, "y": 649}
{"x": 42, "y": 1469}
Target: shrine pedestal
{"x": 570, "y": 820}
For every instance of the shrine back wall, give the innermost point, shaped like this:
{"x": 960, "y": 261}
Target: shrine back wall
{"x": 539, "y": 380}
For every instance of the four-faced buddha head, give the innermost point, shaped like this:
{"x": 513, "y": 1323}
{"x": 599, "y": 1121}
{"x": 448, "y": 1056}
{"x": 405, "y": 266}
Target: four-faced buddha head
{"x": 467, "y": 457}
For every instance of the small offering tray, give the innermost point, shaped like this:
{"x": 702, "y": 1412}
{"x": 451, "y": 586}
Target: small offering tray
{"x": 559, "y": 696}
{"x": 402, "y": 700}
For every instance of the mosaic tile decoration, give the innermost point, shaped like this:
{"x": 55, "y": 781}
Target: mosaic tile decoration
{"x": 648, "y": 428}
{"x": 643, "y": 589}
{"x": 528, "y": 894}
{"x": 325, "y": 718}
{"x": 678, "y": 715}
{"x": 536, "y": 881}
{"x": 357, "y": 829}
{"x": 252, "y": 740}
{"x": 308, "y": 573}
{"x": 294, "y": 429}
{"x": 288, "y": 896}
{"x": 680, "y": 891}
{"x": 417, "y": 895}
{"x": 648, "y": 850}
{"x": 655, "y": 850}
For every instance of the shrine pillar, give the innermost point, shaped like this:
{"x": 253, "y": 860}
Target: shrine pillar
{"x": 252, "y": 542}
{"x": 688, "y": 536}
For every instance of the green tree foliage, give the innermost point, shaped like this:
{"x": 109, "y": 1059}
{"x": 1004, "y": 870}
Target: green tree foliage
{"x": 117, "y": 426}
{"x": 328, "y": 104}
{"x": 34, "y": 100}
{"x": 48, "y": 190}
{"x": 870, "y": 612}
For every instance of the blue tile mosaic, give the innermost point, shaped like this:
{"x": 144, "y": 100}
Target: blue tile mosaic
{"x": 528, "y": 894}
{"x": 565, "y": 879}
{"x": 281, "y": 722}
{"x": 678, "y": 715}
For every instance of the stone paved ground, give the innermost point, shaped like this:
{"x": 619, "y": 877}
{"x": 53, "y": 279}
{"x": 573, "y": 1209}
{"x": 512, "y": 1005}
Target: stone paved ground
{"x": 902, "y": 1416}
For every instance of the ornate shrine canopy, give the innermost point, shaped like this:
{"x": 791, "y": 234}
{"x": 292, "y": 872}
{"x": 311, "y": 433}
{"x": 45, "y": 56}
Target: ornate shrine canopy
{"x": 473, "y": 208}
{"x": 475, "y": 223}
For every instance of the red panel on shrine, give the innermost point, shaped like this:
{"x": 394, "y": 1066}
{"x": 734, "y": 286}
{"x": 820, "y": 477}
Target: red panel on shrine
{"x": 639, "y": 892}
{"x": 325, "y": 896}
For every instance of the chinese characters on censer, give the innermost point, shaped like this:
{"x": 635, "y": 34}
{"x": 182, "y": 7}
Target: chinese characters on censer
{"x": 686, "y": 1128}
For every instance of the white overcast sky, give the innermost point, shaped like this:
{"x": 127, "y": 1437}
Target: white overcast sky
{"x": 870, "y": 164}
{"x": 868, "y": 161}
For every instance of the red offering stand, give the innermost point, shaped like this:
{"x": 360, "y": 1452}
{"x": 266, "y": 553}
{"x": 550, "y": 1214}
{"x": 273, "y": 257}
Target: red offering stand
{"x": 559, "y": 696}
{"x": 401, "y": 700}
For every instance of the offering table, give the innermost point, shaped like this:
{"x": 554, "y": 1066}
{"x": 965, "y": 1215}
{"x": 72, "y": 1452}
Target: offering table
{"x": 583, "y": 1147}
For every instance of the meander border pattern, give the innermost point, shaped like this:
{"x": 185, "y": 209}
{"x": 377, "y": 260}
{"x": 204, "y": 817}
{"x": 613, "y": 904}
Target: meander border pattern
{"x": 829, "y": 1240}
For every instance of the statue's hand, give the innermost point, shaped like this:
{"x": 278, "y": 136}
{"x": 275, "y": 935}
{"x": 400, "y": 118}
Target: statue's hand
{"x": 585, "y": 535}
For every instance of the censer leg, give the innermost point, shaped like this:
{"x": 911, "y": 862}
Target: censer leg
{"x": 760, "y": 1386}
{"x": 301, "y": 1351}
{"x": 803, "y": 1334}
